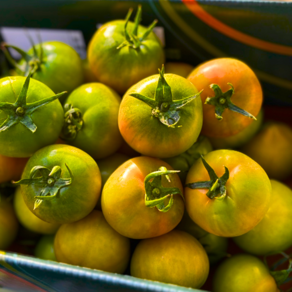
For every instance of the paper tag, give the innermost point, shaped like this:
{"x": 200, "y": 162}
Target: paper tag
{"x": 18, "y": 37}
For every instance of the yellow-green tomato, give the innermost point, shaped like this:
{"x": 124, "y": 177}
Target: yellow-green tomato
{"x": 271, "y": 148}
{"x": 92, "y": 243}
{"x": 91, "y": 120}
{"x": 274, "y": 232}
{"x": 184, "y": 161}
{"x": 175, "y": 258}
{"x": 243, "y": 273}
{"x": 45, "y": 248}
{"x": 28, "y": 219}
{"x": 241, "y": 138}
{"x": 231, "y": 199}
{"x": 8, "y": 223}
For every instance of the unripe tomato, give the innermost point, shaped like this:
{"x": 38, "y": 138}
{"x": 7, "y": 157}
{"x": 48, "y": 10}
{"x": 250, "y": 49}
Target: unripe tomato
{"x": 243, "y": 273}
{"x": 61, "y": 184}
{"x": 230, "y": 87}
{"x": 8, "y": 224}
{"x": 227, "y": 193}
{"x": 139, "y": 202}
{"x": 120, "y": 61}
{"x": 28, "y": 219}
{"x": 175, "y": 258}
{"x": 161, "y": 116}
{"x": 45, "y": 248}
{"x": 271, "y": 148}
{"x": 91, "y": 120}
{"x": 273, "y": 233}
{"x": 30, "y": 116}
{"x": 92, "y": 243}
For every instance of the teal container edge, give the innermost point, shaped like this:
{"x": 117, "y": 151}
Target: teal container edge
{"x": 23, "y": 273}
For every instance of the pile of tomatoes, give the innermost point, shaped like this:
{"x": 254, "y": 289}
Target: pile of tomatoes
{"x": 128, "y": 166}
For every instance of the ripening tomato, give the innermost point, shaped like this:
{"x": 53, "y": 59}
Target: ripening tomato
{"x": 91, "y": 120}
{"x": 8, "y": 223}
{"x": 45, "y": 248}
{"x": 271, "y": 148}
{"x": 161, "y": 116}
{"x": 60, "y": 184}
{"x": 28, "y": 219}
{"x": 273, "y": 234}
{"x": 241, "y": 138}
{"x": 54, "y": 63}
{"x": 175, "y": 258}
{"x": 232, "y": 96}
{"x": 227, "y": 193}
{"x": 143, "y": 198}
{"x": 243, "y": 273}
{"x": 11, "y": 168}
{"x": 92, "y": 243}
{"x": 30, "y": 116}
{"x": 121, "y": 53}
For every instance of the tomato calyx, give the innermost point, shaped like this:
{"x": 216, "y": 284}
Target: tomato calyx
{"x": 132, "y": 39}
{"x": 280, "y": 276}
{"x": 157, "y": 195}
{"x": 20, "y": 111}
{"x": 222, "y": 101}
{"x": 32, "y": 63}
{"x": 49, "y": 180}
{"x": 163, "y": 106}
{"x": 215, "y": 185}
{"x": 73, "y": 122}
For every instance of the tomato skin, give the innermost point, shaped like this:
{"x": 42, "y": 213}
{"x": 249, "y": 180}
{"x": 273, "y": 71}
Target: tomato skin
{"x": 73, "y": 202}
{"x": 123, "y": 200}
{"x": 146, "y": 134}
{"x": 175, "y": 258}
{"x": 247, "y": 94}
{"x": 61, "y": 68}
{"x": 248, "y": 193}
{"x": 179, "y": 68}
{"x": 241, "y": 138}
{"x": 122, "y": 68}
{"x": 45, "y": 248}
{"x": 273, "y": 233}
{"x": 92, "y": 243}
{"x": 28, "y": 219}
{"x": 88, "y": 74}
{"x": 99, "y": 106}
{"x": 11, "y": 168}
{"x": 18, "y": 141}
{"x": 243, "y": 273}
{"x": 275, "y": 158}
{"x": 8, "y": 224}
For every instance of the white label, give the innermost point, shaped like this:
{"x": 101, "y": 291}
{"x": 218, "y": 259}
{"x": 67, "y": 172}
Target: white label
{"x": 18, "y": 37}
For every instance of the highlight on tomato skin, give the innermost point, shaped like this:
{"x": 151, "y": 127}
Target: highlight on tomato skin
{"x": 143, "y": 198}
{"x": 176, "y": 258}
{"x": 232, "y": 95}
{"x": 227, "y": 193}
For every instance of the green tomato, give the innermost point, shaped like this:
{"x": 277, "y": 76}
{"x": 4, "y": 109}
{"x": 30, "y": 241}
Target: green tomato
{"x": 176, "y": 258}
{"x": 30, "y": 116}
{"x": 45, "y": 248}
{"x": 8, "y": 223}
{"x": 185, "y": 160}
{"x": 243, "y": 273}
{"x": 92, "y": 243}
{"x": 273, "y": 233}
{"x": 161, "y": 116}
{"x": 91, "y": 120}
{"x": 61, "y": 184}
{"x": 28, "y": 219}
{"x": 240, "y": 139}
{"x": 54, "y": 63}
{"x": 120, "y": 61}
